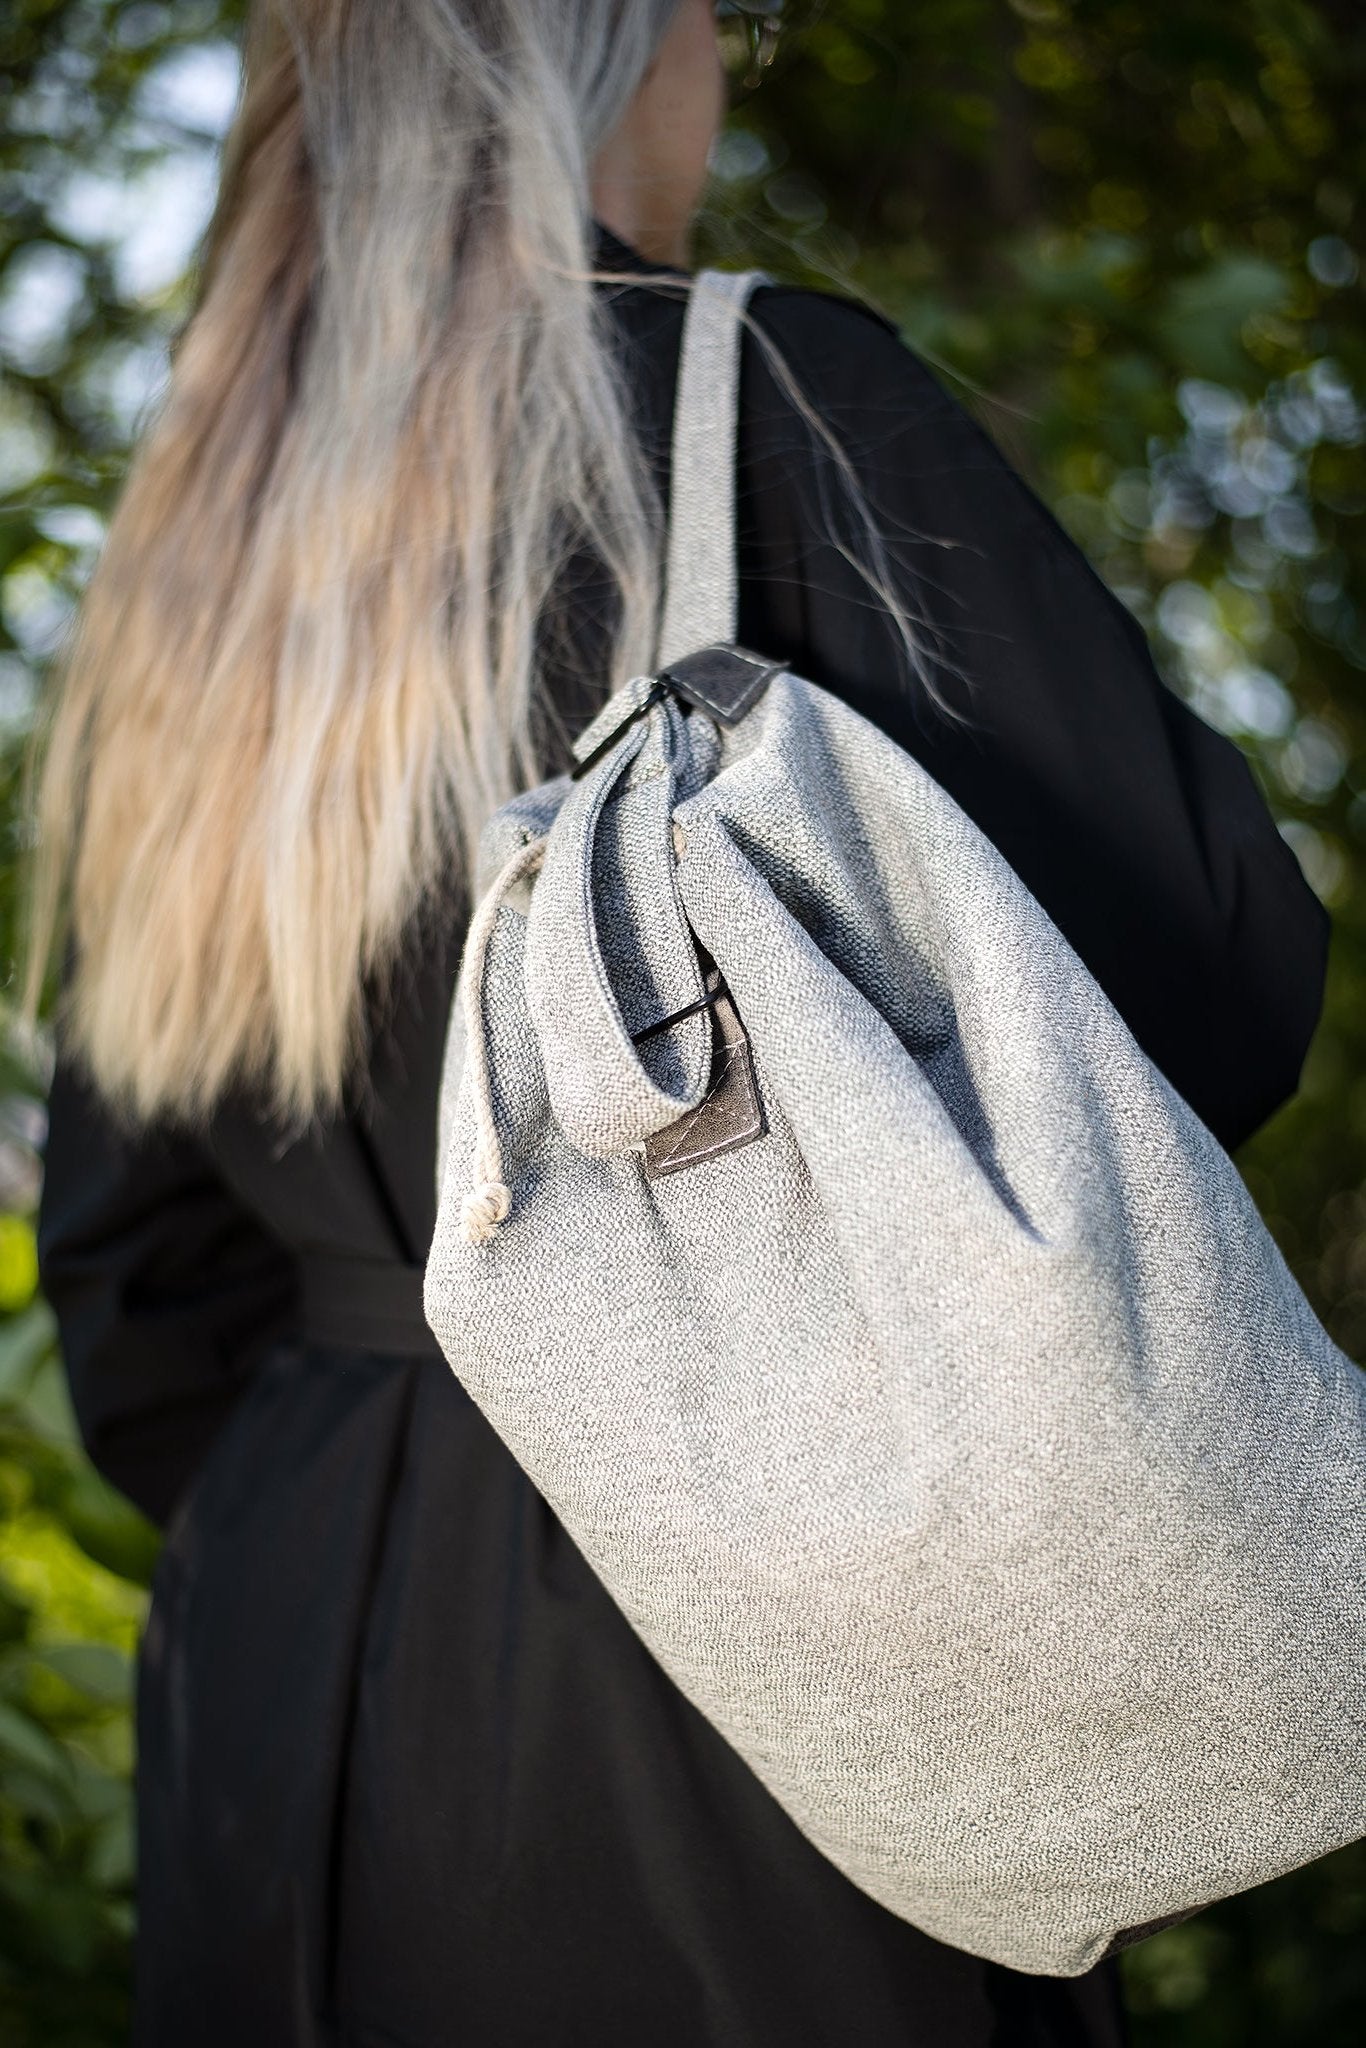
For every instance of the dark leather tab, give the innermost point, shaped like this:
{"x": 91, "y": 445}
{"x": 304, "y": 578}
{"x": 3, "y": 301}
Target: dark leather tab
{"x": 729, "y": 1115}
{"x": 725, "y": 682}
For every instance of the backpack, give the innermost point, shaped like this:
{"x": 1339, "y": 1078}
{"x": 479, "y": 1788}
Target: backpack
{"x": 903, "y": 1353}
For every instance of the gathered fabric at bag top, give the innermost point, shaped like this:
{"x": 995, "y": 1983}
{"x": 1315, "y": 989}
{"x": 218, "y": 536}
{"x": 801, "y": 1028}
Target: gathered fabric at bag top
{"x": 904, "y": 1354}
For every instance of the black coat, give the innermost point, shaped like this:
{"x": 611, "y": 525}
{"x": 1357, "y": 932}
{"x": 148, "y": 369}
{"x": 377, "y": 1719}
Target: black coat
{"x": 406, "y": 1775}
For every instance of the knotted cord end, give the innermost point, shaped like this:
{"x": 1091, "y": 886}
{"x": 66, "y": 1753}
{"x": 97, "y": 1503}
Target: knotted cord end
{"x": 482, "y": 1210}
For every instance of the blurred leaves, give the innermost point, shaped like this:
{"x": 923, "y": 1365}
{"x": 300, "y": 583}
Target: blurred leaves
{"x": 1129, "y": 239}
{"x": 74, "y": 1560}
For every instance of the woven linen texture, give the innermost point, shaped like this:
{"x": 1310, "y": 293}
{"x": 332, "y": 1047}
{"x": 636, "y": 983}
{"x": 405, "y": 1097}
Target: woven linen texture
{"x": 964, "y": 1448}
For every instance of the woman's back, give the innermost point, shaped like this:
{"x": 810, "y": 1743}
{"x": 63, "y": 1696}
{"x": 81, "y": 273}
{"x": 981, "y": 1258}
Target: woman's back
{"x": 407, "y": 1775}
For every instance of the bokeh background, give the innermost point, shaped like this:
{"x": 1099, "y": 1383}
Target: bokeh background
{"x": 1128, "y": 235}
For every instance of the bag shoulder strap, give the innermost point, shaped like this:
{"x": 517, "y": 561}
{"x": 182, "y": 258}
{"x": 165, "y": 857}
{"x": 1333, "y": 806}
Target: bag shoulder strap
{"x": 700, "y": 592}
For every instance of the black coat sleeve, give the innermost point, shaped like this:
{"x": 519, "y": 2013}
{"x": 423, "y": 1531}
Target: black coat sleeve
{"x": 166, "y": 1290}
{"x": 1139, "y": 828}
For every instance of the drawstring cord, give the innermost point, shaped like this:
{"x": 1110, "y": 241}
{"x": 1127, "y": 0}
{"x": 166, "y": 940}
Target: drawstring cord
{"x": 489, "y": 1198}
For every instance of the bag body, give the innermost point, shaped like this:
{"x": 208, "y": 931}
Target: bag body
{"x": 901, "y": 1350}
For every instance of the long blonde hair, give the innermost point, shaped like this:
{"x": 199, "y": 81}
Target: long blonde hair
{"x": 305, "y": 669}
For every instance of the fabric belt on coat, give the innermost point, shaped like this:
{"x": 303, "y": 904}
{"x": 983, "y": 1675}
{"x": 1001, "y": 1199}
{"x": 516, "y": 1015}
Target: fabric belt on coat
{"x": 365, "y": 1305}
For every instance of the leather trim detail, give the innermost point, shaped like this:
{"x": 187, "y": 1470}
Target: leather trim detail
{"x": 725, "y": 682}
{"x": 729, "y": 1115}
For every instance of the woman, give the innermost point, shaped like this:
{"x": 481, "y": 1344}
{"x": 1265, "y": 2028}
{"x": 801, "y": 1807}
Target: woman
{"x": 406, "y": 1775}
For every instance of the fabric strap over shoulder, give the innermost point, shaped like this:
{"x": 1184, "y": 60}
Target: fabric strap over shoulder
{"x": 700, "y": 596}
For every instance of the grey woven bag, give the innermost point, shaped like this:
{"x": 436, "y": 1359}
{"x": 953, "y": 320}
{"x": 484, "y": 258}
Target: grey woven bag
{"x": 903, "y": 1353}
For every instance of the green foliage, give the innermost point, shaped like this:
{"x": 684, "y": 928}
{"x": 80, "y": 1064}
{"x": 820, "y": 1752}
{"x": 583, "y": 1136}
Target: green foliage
{"x": 1130, "y": 239}
{"x": 75, "y": 1560}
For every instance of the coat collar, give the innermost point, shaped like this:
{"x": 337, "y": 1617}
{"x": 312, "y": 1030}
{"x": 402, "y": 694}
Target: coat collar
{"x": 610, "y": 252}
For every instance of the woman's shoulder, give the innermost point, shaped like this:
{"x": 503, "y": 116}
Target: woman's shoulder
{"x": 899, "y": 416}
{"x": 844, "y": 339}
{"x": 822, "y": 313}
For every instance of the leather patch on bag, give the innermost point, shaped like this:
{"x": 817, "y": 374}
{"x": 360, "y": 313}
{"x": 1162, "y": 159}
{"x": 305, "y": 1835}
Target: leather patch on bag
{"x": 730, "y": 1114}
{"x": 725, "y": 682}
